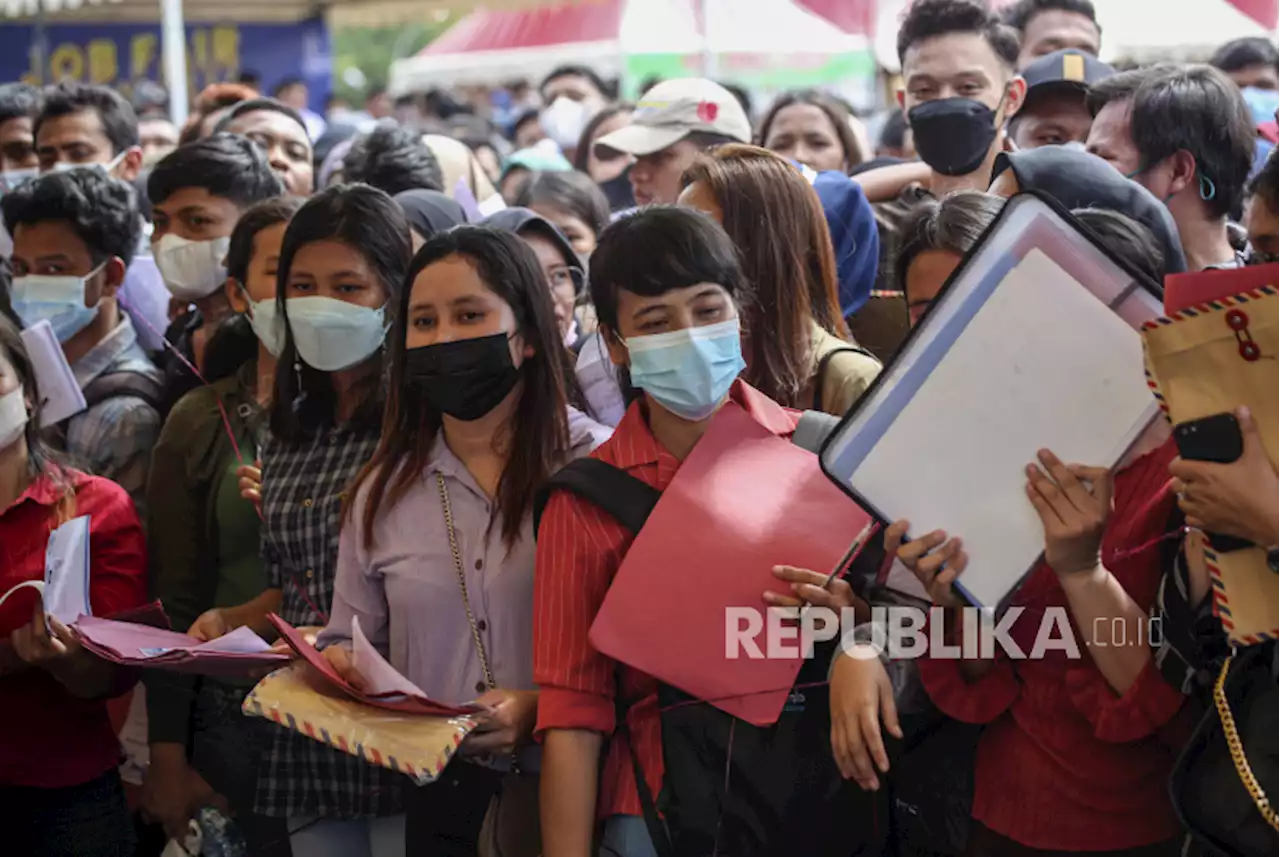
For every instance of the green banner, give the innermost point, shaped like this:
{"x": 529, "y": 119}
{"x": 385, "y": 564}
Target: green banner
{"x": 764, "y": 71}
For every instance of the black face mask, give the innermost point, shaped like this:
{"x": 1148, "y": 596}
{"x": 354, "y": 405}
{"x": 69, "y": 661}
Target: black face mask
{"x": 953, "y": 135}
{"x": 464, "y": 379}
{"x": 618, "y": 191}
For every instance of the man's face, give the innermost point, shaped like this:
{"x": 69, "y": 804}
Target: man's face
{"x": 1262, "y": 225}
{"x": 956, "y": 65}
{"x": 1261, "y": 76}
{"x": 529, "y": 133}
{"x": 295, "y": 96}
{"x": 655, "y": 178}
{"x": 1056, "y": 30}
{"x": 193, "y": 214}
{"x": 17, "y": 145}
{"x": 287, "y": 146}
{"x": 80, "y": 138}
{"x": 379, "y": 106}
{"x": 574, "y": 87}
{"x": 159, "y": 137}
{"x": 1052, "y": 118}
{"x": 52, "y": 248}
{"x": 1110, "y": 138}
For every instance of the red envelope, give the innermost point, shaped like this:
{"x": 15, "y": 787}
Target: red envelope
{"x": 1187, "y": 290}
{"x": 744, "y": 501}
{"x": 398, "y": 703}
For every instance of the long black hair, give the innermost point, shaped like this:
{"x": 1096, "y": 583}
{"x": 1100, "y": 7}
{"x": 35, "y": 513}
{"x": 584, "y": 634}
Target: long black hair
{"x": 538, "y": 434}
{"x": 369, "y": 222}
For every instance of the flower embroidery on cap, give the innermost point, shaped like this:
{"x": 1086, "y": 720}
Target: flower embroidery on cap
{"x": 708, "y": 110}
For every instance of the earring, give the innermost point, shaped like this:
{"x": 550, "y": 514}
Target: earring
{"x": 1208, "y": 190}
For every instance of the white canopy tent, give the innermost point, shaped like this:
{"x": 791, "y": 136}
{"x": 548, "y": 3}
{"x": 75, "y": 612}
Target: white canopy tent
{"x": 489, "y": 47}
{"x": 1150, "y": 30}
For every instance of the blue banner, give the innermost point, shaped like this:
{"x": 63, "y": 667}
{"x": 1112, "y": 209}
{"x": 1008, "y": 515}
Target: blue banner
{"x": 120, "y": 55}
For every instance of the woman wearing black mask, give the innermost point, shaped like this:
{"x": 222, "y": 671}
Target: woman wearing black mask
{"x": 476, "y": 421}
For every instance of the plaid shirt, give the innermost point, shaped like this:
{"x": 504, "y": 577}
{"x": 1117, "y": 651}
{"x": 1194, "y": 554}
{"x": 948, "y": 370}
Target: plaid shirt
{"x": 303, "y": 488}
{"x": 113, "y": 439}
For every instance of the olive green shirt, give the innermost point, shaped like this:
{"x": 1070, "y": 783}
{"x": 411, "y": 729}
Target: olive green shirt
{"x": 203, "y": 539}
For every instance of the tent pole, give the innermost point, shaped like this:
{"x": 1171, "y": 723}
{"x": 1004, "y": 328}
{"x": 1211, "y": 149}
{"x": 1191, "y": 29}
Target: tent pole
{"x": 40, "y": 47}
{"x": 710, "y": 68}
{"x": 173, "y": 47}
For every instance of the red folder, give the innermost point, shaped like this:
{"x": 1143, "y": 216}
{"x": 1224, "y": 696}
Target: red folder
{"x": 399, "y": 703}
{"x": 743, "y": 502}
{"x": 1186, "y": 290}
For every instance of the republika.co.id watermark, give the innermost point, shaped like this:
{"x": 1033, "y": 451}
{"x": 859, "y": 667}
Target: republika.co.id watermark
{"x": 910, "y": 632}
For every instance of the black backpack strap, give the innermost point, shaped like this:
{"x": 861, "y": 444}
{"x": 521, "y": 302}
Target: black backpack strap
{"x": 627, "y": 499}
{"x": 820, "y": 377}
{"x": 648, "y": 807}
{"x": 114, "y": 385}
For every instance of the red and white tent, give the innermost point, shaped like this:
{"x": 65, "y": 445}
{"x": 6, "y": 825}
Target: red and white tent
{"x": 488, "y": 47}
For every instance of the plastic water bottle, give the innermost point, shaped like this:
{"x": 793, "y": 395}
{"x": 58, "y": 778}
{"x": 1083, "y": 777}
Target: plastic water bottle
{"x": 218, "y": 836}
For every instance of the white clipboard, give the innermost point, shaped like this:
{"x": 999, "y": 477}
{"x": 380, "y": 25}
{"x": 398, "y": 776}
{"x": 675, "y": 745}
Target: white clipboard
{"x": 1033, "y": 343}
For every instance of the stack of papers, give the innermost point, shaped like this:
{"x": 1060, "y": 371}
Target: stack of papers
{"x": 388, "y": 689}
{"x": 129, "y": 644}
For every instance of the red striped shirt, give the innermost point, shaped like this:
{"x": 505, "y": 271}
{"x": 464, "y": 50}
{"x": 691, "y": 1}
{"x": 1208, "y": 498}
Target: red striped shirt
{"x": 579, "y": 550}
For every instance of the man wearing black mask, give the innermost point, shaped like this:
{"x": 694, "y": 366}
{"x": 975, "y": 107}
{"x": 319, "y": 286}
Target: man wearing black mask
{"x": 960, "y": 87}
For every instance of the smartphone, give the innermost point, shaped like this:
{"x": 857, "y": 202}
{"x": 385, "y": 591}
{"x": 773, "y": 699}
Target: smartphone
{"x": 1218, "y": 439}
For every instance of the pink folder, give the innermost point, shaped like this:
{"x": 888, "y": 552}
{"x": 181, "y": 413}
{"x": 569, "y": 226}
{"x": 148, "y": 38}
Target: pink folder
{"x": 744, "y": 501}
{"x": 1186, "y": 290}
{"x": 404, "y": 704}
{"x": 137, "y": 645}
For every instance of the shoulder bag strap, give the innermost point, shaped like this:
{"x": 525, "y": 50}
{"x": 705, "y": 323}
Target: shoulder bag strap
{"x": 466, "y": 600}
{"x": 626, "y": 499}
{"x": 820, "y": 377}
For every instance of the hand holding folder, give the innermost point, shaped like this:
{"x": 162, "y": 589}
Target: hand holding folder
{"x": 744, "y": 501}
{"x": 396, "y": 693}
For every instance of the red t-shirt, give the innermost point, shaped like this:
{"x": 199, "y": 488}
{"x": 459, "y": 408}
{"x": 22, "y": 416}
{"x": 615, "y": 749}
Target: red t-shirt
{"x": 1065, "y": 763}
{"x": 51, "y": 738}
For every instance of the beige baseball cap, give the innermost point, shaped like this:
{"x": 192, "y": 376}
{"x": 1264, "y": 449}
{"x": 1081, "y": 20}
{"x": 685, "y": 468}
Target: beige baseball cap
{"x": 673, "y": 110}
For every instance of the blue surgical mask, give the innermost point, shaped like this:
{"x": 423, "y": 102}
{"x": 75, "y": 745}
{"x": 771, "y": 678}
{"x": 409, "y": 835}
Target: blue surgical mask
{"x": 688, "y": 371}
{"x": 59, "y": 299}
{"x": 333, "y": 335}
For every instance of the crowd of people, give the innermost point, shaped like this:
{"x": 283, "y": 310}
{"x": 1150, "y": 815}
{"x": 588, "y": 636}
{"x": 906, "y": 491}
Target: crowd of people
{"x": 329, "y": 367}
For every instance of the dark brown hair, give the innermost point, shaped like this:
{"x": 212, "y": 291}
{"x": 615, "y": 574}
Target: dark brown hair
{"x": 775, "y": 218}
{"x": 538, "y": 434}
{"x": 835, "y": 112}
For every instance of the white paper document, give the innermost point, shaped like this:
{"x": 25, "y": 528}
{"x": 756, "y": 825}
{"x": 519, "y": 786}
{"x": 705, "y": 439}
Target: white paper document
{"x": 1041, "y": 362}
{"x": 380, "y": 678}
{"x": 66, "y": 572}
{"x": 60, "y": 395}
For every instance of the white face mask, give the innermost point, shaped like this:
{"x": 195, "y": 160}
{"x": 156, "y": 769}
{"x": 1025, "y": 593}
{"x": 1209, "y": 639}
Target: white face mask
{"x": 10, "y": 179}
{"x": 191, "y": 269}
{"x": 106, "y": 169}
{"x": 13, "y": 417}
{"x": 267, "y": 324}
{"x": 332, "y": 335}
{"x": 564, "y": 121}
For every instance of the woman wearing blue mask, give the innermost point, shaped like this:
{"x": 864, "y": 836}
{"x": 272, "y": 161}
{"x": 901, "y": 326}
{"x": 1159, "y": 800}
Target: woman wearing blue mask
{"x": 665, "y": 283}
{"x": 205, "y": 552}
{"x": 339, "y": 277}
{"x": 437, "y": 555}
